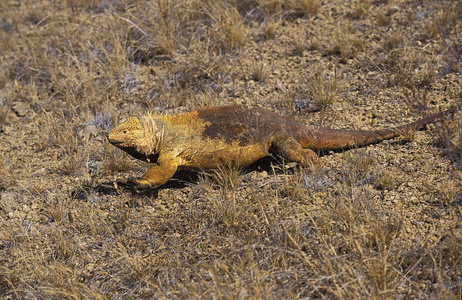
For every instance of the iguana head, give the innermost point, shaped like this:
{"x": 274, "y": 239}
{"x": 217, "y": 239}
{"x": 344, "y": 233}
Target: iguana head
{"x": 128, "y": 135}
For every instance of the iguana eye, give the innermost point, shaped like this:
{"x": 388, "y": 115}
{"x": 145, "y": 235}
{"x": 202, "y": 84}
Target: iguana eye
{"x": 124, "y": 132}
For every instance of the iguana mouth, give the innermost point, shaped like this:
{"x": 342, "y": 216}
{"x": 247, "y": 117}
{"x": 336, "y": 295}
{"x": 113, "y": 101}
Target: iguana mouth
{"x": 114, "y": 140}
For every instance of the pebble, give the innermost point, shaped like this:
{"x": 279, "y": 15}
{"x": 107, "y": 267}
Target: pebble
{"x": 9, "y": 201}
{"x": 22, "y": 109}
{"x": 7, "y": 130}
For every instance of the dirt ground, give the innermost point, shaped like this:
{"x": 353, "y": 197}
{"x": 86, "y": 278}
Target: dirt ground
{"x": 379, "y": 222}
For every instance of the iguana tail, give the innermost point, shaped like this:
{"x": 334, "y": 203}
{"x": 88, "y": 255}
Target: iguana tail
{"x": 337, "y": 139}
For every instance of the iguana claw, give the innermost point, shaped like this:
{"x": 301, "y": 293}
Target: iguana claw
{"x": 139, "y": 184}
{"x": 136, "y": 184}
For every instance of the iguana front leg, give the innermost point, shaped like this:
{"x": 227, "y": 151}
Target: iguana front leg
{"x": 290, "y": 149}
{"x": 158, "y": 175}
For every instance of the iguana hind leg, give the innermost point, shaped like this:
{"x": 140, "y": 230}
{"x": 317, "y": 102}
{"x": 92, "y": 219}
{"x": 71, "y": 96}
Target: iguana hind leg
{"x": 290, "y": 149}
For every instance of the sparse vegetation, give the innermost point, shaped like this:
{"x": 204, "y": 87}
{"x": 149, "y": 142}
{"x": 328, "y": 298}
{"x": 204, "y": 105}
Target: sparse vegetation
{"x": 359, "y": 9}
{"x": 347, "y": 45}
{"x": 375, "y": 223}
{"x": 269, "y": 28}
{"x": 408, "y": 135}
{"x": 260, "y": 71}
{"x": 324, "y": 89}
{"x": 300, "y": 41}
{"x": 318, "y": 91}
{"x": 306, "y": 7}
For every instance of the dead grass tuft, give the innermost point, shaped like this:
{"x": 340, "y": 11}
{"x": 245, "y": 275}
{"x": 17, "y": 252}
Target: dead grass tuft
{"x": 385, "y": 180}
{"x": 445, "y": 20}
{"x": 408, "y": 135}
{"x": 228, "y": 31}
{"x": 270, "y": 7}
{"x": 300, "y": 41}
{"x": 220, "y": 188}
{"x": 414, "y": 80}
{"x": 383, "y": 19}
{"x": 393, "y": 41}
{"x": 448, "y": 191}
{"x": 347, "y": 45}
{"x": 4, "y": 110}
{"x": 450, "y": 134}
{"x": 4, "y": 172}
{"x": 324, "y": 90}
{"x": 319, "y": 91}
{"x": 360, "y": 9}
{"x": 306, "y": 7}
{"x": 269, "y": 28}
{"x": 259, "y": 71}
{"x": 454, "y": 246}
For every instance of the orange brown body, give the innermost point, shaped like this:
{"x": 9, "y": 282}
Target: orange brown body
{"x": 233, "y": 135}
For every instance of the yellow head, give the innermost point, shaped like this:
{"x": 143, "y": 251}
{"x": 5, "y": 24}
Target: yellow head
{"x": 128, "y": 135}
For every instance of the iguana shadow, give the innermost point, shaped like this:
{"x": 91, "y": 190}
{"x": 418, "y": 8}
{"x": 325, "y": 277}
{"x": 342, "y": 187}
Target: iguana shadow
{"x": 180, "y": 180}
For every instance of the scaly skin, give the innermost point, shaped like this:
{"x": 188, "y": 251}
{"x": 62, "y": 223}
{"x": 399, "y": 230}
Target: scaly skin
{"x": 233, "y": 135}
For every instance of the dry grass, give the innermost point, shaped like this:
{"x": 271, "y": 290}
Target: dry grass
{"x": 347, "y": 45}
{"x": 269, "y": 28}
{"x": 300, "y": 41}
{"x": 259, "y": 71}
{"x": 359, "y": 9}
{"x": 318, "y": 91}
{"x": 306, "y": 7}
{"x": 375, "y": 223}
{"x": 450, "y": 135}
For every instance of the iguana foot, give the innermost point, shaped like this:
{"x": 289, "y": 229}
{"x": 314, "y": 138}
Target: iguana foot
{"x": 139, "y": 184}
{"x": 136, "y": 184}
{"x": 290, "y": 149}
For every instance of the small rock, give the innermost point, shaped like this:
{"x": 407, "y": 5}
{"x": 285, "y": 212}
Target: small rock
{"x": 279, "y": 85}
{"x": 90, "y": 267}
{"x": 393, "y": 9}
{"x": 25, "y": 208}
{"x": 7, "y": 130}
{"x": 150, "y": 209}
{"x": 20, "y": 214}
{"x": 21, "y": 108}
{"x": 9, "y": 202}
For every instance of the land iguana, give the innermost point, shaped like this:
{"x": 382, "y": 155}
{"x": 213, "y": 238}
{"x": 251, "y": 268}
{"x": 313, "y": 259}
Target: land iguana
{"x": 234, "y": 135}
